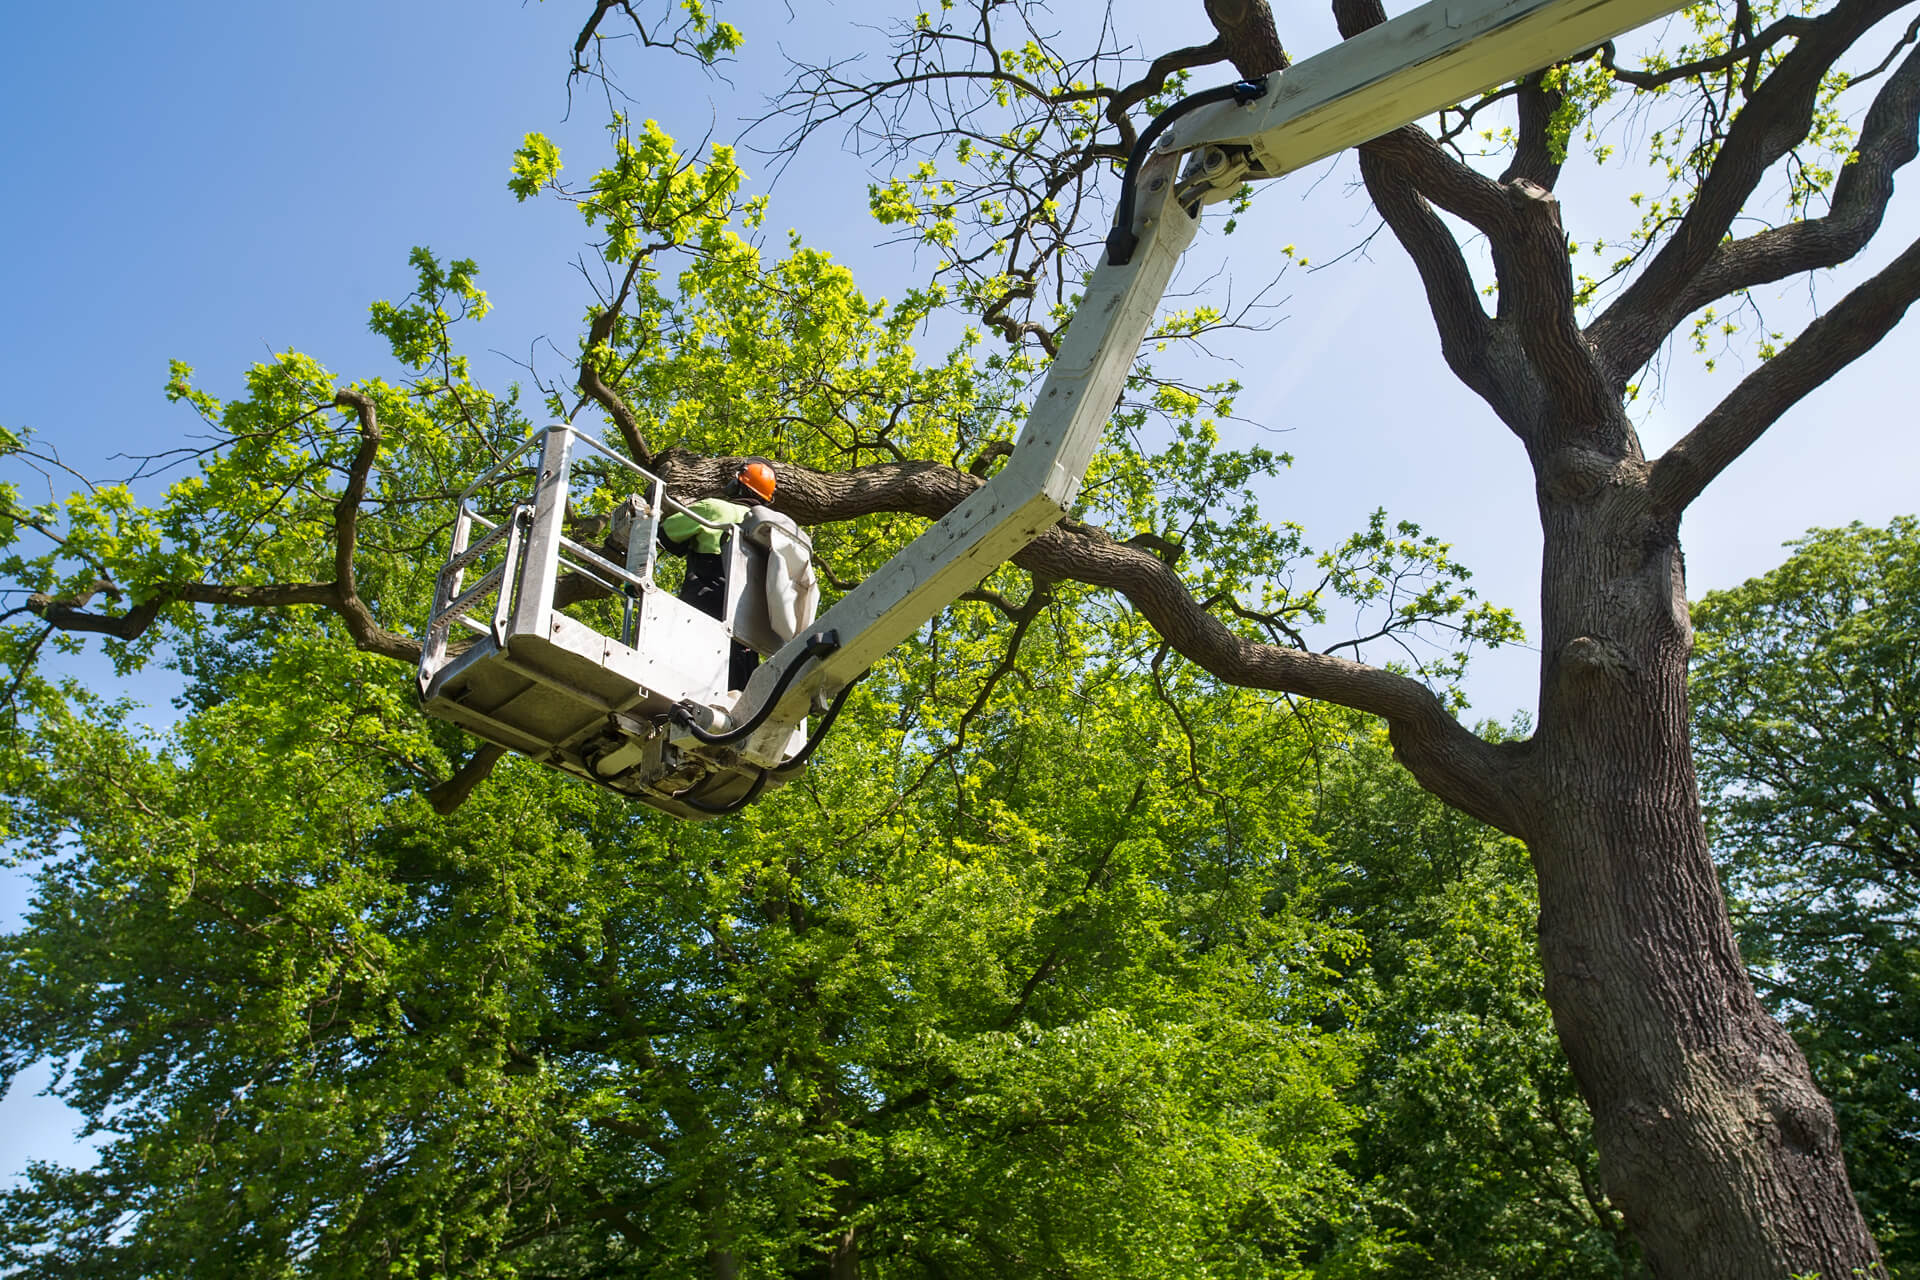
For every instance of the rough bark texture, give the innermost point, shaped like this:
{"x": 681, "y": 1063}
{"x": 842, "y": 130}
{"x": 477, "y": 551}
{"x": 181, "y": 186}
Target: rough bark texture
{"x": 1714, "y": 1141}
{"x": 1248, "y": 36}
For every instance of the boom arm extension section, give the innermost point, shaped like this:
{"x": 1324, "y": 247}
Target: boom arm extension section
{"x": 1401, "y": 71}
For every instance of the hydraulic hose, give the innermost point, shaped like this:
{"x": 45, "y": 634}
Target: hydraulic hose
{"x": 792, "y": 766}
{"x": 1121, "y": 241}
{"x": 785, "y": 771}
{"x": 818, "y": 646}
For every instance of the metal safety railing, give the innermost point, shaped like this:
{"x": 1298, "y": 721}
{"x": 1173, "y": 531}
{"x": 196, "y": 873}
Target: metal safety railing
{"x": 458, "y": 602}
{"x": 535, "y": 549}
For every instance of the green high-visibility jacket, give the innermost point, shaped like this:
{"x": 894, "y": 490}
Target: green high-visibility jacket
{"x": 684, "y": 532}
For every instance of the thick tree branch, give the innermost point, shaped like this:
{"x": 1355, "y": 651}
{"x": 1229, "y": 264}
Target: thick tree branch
{"x": 1355, "y": 16}
{"x": 1460, "y": 189}
{"x": 1248, "y": 36}
{"x": 587, "y": 33}
{"x": 1154, "y": 79}
{"x": 990, "y": 452}
{"x": 1521, "y": 220}
{"x": 1536, "y": 287}
{"x": 1476, "y": 776}
{"x": 70, "y": 613}
{"x": 1471, "y": 774}
{"x": 452, "y": 793}
{"x": 1170, "y": 552}
{"x": 346, "y": 511}
{"x": 1739, "y": 52}
{"x": 346, "y": 601}
{"x": 1823, "y": 348}
{"x": 1888, "y": 142}
{"x": 1773, "y": 121}
{"x": 1533, "y": 153}
{"x": 1463, "y": 323}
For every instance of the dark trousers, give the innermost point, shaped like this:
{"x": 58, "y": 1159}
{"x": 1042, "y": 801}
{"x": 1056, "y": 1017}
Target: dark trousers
{"x": 705, "y": 588}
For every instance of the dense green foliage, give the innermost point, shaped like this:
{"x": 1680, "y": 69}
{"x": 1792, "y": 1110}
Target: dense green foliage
{"x": 1039, "y": 1004}
{"x": 1806, "y": 694}
{"x": 342, "y": 1032}
{"x": 1041, "y": 970}
{"x": 1474, "y": 1156}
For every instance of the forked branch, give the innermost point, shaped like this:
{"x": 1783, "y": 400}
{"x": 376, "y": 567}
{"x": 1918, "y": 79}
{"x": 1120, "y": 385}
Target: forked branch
{"x": 1838, "y": 338}
{"x": 1775, "y": 118}
{"x": 1451, "y": 296}
{"x": 342, "y": 595}
{"x": 1888, "y": 142}
{"x": 1248, "y": 36}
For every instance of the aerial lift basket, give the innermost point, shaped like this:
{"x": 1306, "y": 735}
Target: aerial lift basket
{"x": 573, "y": 654}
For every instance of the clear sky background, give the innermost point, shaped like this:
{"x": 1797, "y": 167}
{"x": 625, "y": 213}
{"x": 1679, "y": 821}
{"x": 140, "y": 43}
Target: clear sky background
{"x": 218, "y": 182}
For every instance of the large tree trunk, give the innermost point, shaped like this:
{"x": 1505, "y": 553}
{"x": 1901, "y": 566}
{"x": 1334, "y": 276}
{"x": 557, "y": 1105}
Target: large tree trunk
{"x": 1714, "y": 1141}
{"x": 843, "y": 1258}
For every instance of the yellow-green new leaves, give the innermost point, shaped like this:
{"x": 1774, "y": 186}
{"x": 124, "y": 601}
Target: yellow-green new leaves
{"x": 688, "y": 27}
{"x": 713, "y": 38}
{"x": 260, "y": 510}
{"x": 535, "y": 165}
{"x": 1685, "y": 95}
{"x": 100, "y": 545}
{"x": 926, "y": 204}
{"x": 741, "y": 349}
{"x": 444, "y": 295}
{"x": 649, "y": 200}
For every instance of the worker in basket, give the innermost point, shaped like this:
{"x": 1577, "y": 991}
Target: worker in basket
{"x": 792, "y": 593}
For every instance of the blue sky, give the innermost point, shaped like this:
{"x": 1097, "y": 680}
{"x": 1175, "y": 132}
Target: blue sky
{"x": 217, "y": 183}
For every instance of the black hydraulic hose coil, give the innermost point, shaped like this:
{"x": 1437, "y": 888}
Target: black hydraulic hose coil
{"x": 1121, "y": 240}
{"x": 817, "y": 647}
{"x": 792, "y": 766}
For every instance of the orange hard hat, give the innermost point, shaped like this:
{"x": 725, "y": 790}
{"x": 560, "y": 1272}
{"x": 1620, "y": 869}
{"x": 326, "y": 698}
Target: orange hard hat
{"x": 756, "y": 476}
